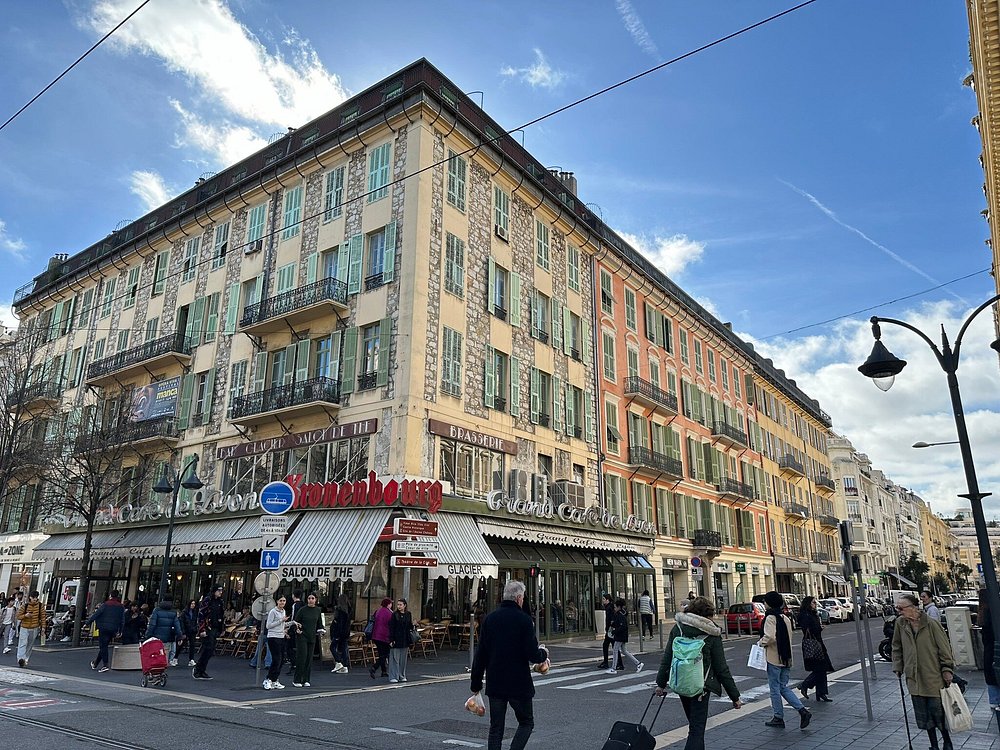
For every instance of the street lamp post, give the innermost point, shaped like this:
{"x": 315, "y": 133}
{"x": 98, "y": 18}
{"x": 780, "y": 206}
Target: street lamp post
{"x": 882, "y": 367}
{"x": 922, "y": 444}
{"x": 163, "y": 486}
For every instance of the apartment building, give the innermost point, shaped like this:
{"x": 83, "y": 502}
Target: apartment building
{"x": 962, "y": 532}
{"x": 940, "y": 545}
{"x": 909, "y": 525}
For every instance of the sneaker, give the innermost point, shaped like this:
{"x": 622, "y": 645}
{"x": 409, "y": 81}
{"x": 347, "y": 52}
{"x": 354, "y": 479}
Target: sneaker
{"x": 192, "y": 662}
{"x": 602, "y": 665}
{"x": 775, "y": 722}
{"x": 277, "y": 685}
{"x": 611, "y": 671}
{"x": 638, "y": 667}
{"x": 806, "y": 718}
{"x": 104, "y": 669}
{"x": 93, "y": 665}
{"x": 202, "y": 676}
{"x": 267, "y": 685}
{"x": 336, "y": 667}
{"x": 402, "y": 679}
{"x": 173, "y": 662}
{"x": 393, "y": 681}
{"x": 306, "y": 684}
{"x": 342, "y": 669}
{"x": 7, "y": 650}
{"x": 296, "y": 684}
{"x": 65, "y": 639}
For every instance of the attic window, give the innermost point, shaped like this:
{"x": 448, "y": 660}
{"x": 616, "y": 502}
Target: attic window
{"x": 393, "y": 90}
{"x": 238, "y": 176}
{"x": 311, "y": 136}
{"x": 492, "y": 134}
{"x": 152, "y": 223}
{"x": 271, "y": 158}
{"x": 449, "y": 96}
{"x": 349, "y": 116}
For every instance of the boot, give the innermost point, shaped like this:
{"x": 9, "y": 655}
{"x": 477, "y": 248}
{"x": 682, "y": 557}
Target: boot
{"x": 775, "y": 722}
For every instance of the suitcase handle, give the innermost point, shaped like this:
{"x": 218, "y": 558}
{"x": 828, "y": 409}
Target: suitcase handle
{"x": 658, "y": 709}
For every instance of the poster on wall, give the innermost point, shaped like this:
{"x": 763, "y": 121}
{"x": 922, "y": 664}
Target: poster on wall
{"x": 156, "y": 400}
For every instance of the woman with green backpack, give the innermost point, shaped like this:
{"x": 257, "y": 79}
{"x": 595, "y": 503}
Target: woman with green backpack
{"x": 694, "y": 666}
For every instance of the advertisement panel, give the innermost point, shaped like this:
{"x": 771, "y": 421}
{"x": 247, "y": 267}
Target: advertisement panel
{"x": 156, "y": 400}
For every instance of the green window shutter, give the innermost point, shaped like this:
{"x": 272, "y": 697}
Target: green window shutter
{"x": 515, "y": 387}
{"x": 302, "y": 350}
{"x": 385, "y": 343}
{"x": 343, "y": 262}
{"x": 259, "y": 371}
{"x": 348, "y": 360}
{"x": 206, "y": 416}
{"x": 586, "y": 340}
{"x": 286, "y": 278}
{"x": 535, "y": 396}
{"x": 491, "y": 280}
{"x": 54, "y": 323}
{"x": 196, "y": 321}
{"x": 354, "y": 273}
{"x": 232, "y": 308}
{"x": 389, "y": 263}
{"x": 288, "y": 374}
{"x": 557, "y": 325}
{"x": 334, "y": 372}
{"x": 590, "y": 426}
{"x": 212, "y": 317}
{"x": 557, "y": 410}
{"x": 258, "y": 288}
{"x": 489, "y": 378}
{"x": 570, "y": 409}
{"x": 567, "y": 324}
{"x": 312, "y": 263}
{"x": 515, "y": 299}
{"x": 187, "y": 389}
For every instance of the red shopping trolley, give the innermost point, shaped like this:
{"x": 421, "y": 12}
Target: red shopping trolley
{"x": 154, "y": 663}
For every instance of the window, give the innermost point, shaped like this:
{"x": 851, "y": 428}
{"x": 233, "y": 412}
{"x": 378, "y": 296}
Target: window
{"x": 573, "y": 268}
{"x": 122, "y": 340}
{"x": 683, "y": 336}
{"x": 610, "y": 368}
{"x": 378, "y": 173}
{"x": 736, "y": 383}
{"x": 630, "y": 317}
{"x": 498, "y": 292}
{"x": 376, "y": 260}
{"x": 237, "y": 380}
{"x": 212, "y": 316}
{"x": 573, "y": 331}
{"x": 454, "y": 265}
{"x": 152, "y": 328}
{"x": 86, "y": 307}
{"x": 255, "y": 228}
{"x": 542, "y": 245}
{"x": 495, "y": 384}
{"x": 501, "y": 213}
{"x": 370, "y": 340}
{"x": 220, "y": 246}
{"x": 251, "y": 292}
{"x": 286, "y": 278}
{"x": 329, "y": 261}
{"x": 469, "y": 469}
{"x": 279, "y": 361}
{"x": 109, "y": 298}
{"x": 611, "y": 417}
{"x": 159, "y": 273}
{"x": 574, "y": 411}
{"x": 699, "y": 364}
{"x": 131, "y": 287}
{"x": 333, "y": 193}
{"x": 642, "y": 503}
{"x": 189, "y": 266}
{"x": 99, "y": 349}
{"x": 293, "y": 213}
{"x": 322, "y": 360}
{"x": 607, "y": 298}
{"x": 613, "y": 500}
{"x": 632, "y": 363}
{"x": 456, "y": 180}
{"x": 724, "y": 370}
{"x": 541, "y": 397}
{"x": 451, "y": 370}
{"x": 711, "y": 366}
{"x": 202, "y": 397}
{"x": 540, "y": 306}
{"x": 76, "y": 366}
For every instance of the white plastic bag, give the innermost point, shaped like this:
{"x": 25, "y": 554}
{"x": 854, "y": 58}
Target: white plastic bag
{"x": 475, "y": 705}
{"x": 956, "y": 710}
{"x": 758, "y": 658}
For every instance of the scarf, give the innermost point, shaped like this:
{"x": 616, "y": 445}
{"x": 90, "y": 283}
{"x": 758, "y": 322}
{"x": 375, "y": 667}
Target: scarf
{"x": 784, "y": 643}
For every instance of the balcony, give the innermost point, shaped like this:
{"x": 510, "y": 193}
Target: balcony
{"x": 295, "y": 308}
{"x": 795, "y": 510}
{"x": 732, "y": 489}
{"x": 655, "y": 463}
{"x": 825, "y": 484}
{"x": 828, "y": 520}
{"x": 729, "y": 435}
{"x": 644, "y": 392}
{"x": 43, "y": 393}
{"x": 133, "y": 434}
{"x": 788, "y": 465}
{"x": 708, "y": 540}
{"x": 852, "y": 491}
{"x": 821, "y": 557}
{"x": 175, "y": 347}
{"x": 295, "y": 399}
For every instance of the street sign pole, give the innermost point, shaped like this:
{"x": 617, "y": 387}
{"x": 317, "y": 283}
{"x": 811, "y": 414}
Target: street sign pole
{"x": 261, "y": 633}
{"x": 846, "y": 541}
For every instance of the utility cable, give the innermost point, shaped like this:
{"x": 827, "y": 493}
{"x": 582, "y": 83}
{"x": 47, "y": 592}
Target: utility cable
{"x": 78, "y": 61}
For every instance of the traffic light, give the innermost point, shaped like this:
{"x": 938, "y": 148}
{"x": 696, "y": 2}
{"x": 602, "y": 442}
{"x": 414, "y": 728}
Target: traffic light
{"x": 534, "y": 571}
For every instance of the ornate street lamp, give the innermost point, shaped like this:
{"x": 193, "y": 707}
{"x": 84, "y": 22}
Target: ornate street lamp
{"x": 163, "y": 486}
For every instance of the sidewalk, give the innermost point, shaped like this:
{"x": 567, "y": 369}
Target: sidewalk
{"x": 844, "y": 723}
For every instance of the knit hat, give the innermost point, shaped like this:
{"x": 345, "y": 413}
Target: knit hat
{"x": 774, "y": 600}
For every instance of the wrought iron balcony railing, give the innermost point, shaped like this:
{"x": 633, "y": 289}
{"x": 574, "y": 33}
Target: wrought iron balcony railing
{"x": 829, "y": 520}
{"x": 636, "y": 386}
{"x": 42, "y": 391}
{"x": 707, "y": 539}
{"x": 821, "y": 557}
{"x": 795, "y": 509}
{"x": 730, "y": 486}
{"x": 175, "y": 343}
{"x": 728, "y": 432}
{"x": 788, "y": 463}
{"x": 641, "y": 456}
{"x": 126, "y": 433}
{"x": 285, "y": 397}
{"x": 823, "y": 481}
{"x": 325, "y": 290}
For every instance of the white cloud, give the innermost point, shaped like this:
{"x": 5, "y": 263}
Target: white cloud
{"x": 669, "y": 254}
{"x": 7, "y": 317}
{"x": 234, "y": 76}
{"x": 636, "y": 28}
{"x": 885, "y": 425}
{"x": 539, "y": 75}
{"x": 224, "y": 142}
{"x": 12, "y": 245}
{"x": 150, "y": 188}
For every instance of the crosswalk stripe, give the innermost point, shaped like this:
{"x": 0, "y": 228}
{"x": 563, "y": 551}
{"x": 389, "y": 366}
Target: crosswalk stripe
{"x": 551, "y": 680}
{"x": 606, "y": 681}
{"x": 650, "y": 686}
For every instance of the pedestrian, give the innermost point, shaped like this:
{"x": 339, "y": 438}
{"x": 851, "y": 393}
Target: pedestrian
{"x": 646, "y": 612}
{"x": 985, "y": 621}
{"x": 211, "y": 624}
{"x": 697, "y": 623}
{"x": 814, "y": 655}
{"x": 340, "y": 635}
{"x": 921, "y": 651}
{"x": 30, "y": 618}
{"x": 307, "y": 626}
{"x": 927, "y": 601}
{"x": 135, "y": 625}
{"x": 687, "y": 602}
{"x": 109, "y": 618}
{"x": 189, "y": 622}
{"x": 777, "y": 642}
{"x": 290, "y": 646}
{"x": 62, "y": 624}
{"x": 619, "y": 628}
{"x": 399, "y": 641}
{"x": 507, "y": 646}
{"x": 609, "y": 641}
{"x": 276, "y": 626}
{"x": 381, "y": 638}
{"x": 16, "y": 630}
{"x": 166, "y": 625}
{"x": 7, "y": 626}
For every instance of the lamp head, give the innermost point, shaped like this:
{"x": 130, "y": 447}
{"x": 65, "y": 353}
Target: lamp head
{"x": 882, "y": 366}
{"x": 162, "y": 486}
{"x": 190, "y": 480}
{"x": 995, "y": 346}
{"x": 921, "y": 444}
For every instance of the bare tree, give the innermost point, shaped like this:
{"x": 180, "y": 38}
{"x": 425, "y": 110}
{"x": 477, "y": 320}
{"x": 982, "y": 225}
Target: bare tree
{"x": 95, "y": 467}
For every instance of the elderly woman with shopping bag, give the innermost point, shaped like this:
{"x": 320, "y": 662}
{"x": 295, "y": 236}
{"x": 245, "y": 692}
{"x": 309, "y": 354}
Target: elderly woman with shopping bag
{"x": 921, "y": 652}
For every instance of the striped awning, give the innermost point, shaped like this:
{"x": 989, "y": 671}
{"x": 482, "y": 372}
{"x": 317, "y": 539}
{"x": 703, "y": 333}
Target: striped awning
{"x": 221, "y": 537}
{"x": 563, "y": 536}
{"x": 462, "y": 553}
{"x": 104, "y": 545}
{"x": 333, "y": 544}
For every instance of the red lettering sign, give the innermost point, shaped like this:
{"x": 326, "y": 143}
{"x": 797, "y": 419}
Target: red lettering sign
{"x": 368, "y": 492}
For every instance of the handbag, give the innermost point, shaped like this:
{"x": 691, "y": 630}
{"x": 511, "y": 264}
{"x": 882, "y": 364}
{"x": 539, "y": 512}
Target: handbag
{"x": 758, "y": 658}
{"x": 414, "y": 637}
{"x": 812, "y": 649}
{"x": 370, "y": 627}
{"x": 956, "y": 710}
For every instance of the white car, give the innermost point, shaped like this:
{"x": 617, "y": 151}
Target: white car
{"x": 835, "y": 608}
{"x": 847, "y": 606}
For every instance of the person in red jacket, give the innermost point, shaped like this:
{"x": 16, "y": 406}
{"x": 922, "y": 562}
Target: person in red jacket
{"x": 382, "y": 637}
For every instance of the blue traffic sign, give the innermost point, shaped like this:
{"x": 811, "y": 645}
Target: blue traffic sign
{"x": 276, "y": 498}
{"x": 270, "y": 559}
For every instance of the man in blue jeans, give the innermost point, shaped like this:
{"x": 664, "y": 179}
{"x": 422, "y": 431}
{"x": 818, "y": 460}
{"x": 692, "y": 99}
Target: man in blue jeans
{"x": 109, "y": 618}
{"x": 507, "y": 645}
{"x": 777, "y": 644}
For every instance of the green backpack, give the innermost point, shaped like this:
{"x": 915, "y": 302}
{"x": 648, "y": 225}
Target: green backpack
{"x": 687, "y": 671}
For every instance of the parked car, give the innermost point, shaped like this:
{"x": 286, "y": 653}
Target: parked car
{"x": 823, "y": 613}
{"x": 846, "y": 605}
{"x": 791, "y": 608}
{"x": 836, "y": 610}
{"x": 745, "y": 617}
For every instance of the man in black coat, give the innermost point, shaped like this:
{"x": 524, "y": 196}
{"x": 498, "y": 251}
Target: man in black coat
{"x": 507, "y": 645}
{"x": 213, "y": 623}
{"x": 609, "y": 615}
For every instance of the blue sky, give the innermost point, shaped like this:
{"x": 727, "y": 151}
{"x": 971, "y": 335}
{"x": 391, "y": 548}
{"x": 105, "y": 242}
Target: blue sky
{"x": 817, "y": 166}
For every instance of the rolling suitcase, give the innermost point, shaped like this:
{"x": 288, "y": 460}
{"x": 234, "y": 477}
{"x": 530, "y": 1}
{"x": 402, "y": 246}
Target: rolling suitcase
{"x": 627, "y": 736}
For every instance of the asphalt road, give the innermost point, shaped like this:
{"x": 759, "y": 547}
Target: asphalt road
{"x": 575, "y": 705}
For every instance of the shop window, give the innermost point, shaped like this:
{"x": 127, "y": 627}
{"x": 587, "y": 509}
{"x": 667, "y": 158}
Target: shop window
{"x": 469, "y": 469}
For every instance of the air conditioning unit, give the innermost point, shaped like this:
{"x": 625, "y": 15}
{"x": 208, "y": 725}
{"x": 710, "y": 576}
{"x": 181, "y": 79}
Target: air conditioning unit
{"x": 566, "y": 492}
{"x": 501, "y": 232}
{"x": 254, "y": 247}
